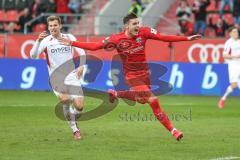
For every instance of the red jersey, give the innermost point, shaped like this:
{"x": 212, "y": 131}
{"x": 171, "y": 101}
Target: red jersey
{"x": 131, "y": 50}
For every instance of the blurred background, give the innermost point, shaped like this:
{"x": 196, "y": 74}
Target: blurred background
{"x": 91, "y": 20}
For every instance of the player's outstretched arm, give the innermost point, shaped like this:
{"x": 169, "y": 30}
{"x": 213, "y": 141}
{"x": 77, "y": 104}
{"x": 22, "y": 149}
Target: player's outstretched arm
{"x": 173, "y": 38}
{"x": 154, "y": 34}
{"x": 93, "y": 46}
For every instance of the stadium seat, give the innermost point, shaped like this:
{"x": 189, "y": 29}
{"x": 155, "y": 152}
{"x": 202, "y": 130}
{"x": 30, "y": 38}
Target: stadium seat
{"x": 229, "y": 18}
{"x": 211, "y": 7}
{"x": 12, "y": 16}
{"x": 210, "y": 32}
{"x": 40, "y": 27}
{"x": 2, "y": 46}
{"x": 215, "y": 17}
{"x": 2, "y": 16}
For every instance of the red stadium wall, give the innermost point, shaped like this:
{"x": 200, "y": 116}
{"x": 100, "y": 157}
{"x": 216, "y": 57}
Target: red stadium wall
{"x": 205, "y": 50}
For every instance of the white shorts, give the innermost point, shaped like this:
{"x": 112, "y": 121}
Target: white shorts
{"x": 234, "y": 72}
{"x": 75, "y": 90}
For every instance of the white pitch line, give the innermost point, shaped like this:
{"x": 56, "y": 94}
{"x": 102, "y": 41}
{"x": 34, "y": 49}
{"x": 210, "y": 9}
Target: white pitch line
{"x": 24, "y": 105}
{"x": 179, "y": 104}
{"x": 226, "y": 158}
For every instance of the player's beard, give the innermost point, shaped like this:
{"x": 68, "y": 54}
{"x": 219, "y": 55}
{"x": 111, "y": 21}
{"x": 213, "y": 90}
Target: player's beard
{"x": 134, "y": 32}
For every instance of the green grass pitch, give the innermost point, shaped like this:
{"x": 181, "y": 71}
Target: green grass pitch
{"x": 30, "y": 130}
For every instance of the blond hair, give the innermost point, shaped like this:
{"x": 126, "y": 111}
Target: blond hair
{"x": 53, "y": 18}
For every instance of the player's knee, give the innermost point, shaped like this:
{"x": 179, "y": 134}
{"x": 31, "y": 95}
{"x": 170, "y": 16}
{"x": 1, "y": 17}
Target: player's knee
{"x": 64, "y": 98}
{"x": 152, "y": 99}
{"x": 234, "y": 85}
{"x": 142, "y": 100}
{"x": 78, "y": 103}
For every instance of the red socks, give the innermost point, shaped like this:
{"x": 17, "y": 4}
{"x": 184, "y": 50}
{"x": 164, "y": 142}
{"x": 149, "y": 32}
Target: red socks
{"x": 160, "y": 114}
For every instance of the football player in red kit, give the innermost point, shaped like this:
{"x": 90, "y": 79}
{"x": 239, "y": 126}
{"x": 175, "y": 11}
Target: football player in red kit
{"x": 130, "y": 45}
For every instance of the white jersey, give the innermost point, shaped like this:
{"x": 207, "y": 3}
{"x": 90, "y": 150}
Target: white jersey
{"x": 232, "y": 47}
{"x": 56, "y": 53}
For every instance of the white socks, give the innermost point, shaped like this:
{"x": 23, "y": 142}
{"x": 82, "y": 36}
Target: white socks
{"x": 73, "y": 110}
{"x": 70, "y": 117}
{"x": 172, "y": 131}
{"x": 228, "y": 91}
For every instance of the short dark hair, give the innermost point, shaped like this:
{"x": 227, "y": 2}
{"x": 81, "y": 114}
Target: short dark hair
{"x": 232, "y": 28}
{"x": 53, "y": 18}
{"x": 128, "y": 17}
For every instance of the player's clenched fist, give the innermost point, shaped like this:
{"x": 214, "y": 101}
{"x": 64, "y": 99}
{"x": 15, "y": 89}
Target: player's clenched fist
{"x": 194, "y": 37}
{"x": 42, "y": 35}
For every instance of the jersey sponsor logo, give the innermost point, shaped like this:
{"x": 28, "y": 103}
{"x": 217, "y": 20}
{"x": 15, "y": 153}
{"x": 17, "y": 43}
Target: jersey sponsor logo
{"x": 61, "y": 50}
{"x": 134, "y": 50}
{"x": 205, "y": 53}
{"x": 123, "y": 45}
{"x": 139, "y": 40}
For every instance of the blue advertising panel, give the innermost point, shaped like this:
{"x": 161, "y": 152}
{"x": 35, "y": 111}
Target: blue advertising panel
{"x": 173, "y": 78}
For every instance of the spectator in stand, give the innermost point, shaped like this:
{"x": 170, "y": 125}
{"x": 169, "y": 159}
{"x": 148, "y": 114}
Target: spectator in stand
{"x": 220, "y": 27}
{"x": 51, "y": 7}
{"x": 199, "y": 9}
{"x": 74, "y": 6}
{"x": 1, "y": 28}
{"x": 11, "y": 28}
{"x": 183, "y": 10}
{"x": 62, "y": 8}
{"x": 225, "y": 3}
{"x": 216, "y": 4}
{"x": 136, "y": 8}
{"x": 236, "y": 12}
{"x": 38, "y": 7}
{"x": 186, "y": 26}
{"x": 24, "y": 17}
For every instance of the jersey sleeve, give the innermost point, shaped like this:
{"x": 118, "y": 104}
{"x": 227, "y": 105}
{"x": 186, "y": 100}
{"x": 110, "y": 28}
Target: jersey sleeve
{"x": 38, "y": 48}
{"x": 227, "y": 48}
{"x": 151, "y": 33}
{"x": 111, "y": 39}
{"x": 80, "y": 51}
{"x": 108, "y": 42}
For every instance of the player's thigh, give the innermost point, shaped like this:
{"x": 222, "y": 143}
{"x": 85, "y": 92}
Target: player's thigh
{"x": 143, "y": 80}
{"x": 142, "y": 93}
{"x": 74, "y": 84}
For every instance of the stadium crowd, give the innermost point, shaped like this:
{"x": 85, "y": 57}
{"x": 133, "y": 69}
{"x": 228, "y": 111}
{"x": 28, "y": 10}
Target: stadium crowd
{"x": 15, "y": 13}
{"x": 205, "y": 16}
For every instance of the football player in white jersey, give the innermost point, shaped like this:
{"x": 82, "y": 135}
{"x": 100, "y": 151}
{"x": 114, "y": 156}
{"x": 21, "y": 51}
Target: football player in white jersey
{"x": 57, "y": 56}
{"x": 231, "y": 54}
